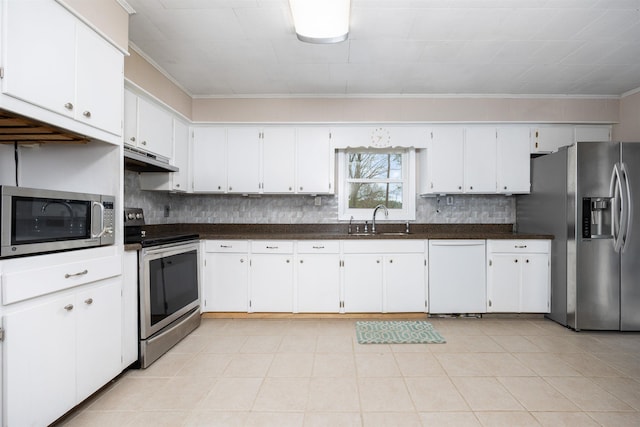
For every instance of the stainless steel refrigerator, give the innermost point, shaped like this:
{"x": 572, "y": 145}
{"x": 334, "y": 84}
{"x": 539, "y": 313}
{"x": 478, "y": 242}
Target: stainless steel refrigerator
{"x": 588, "y": 196}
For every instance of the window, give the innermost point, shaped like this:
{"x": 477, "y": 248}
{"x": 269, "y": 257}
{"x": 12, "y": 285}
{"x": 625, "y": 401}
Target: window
{"x": 372, "y": 177}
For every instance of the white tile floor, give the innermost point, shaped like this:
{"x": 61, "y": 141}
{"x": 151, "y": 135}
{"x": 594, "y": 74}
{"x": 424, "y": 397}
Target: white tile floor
{"x": 301, "y": 372}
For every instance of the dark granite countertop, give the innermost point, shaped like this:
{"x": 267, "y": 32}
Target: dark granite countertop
{"x": 340, "y": 231}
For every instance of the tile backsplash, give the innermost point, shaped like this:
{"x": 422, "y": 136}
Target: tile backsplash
{"x": 282, "y": 209}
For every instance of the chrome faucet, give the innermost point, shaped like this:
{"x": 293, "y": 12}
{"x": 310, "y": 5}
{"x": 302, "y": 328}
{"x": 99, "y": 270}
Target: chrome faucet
{"x": 375, "y": 211}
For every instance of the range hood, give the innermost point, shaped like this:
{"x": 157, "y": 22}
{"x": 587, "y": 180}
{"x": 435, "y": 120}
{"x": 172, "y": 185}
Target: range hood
{"x": 139, "y": 161}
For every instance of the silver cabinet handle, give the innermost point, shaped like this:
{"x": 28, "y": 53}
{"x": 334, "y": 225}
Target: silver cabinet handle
{"x": 241, "y": 260}
{"x": 68, "y": 106}
{"x": 318, "y": 247}
{"x": 520, "y": 246}
{"x": 87, "y": 114}
{"x": 271, "y": 247}
{"x": 132, "y": 139}
{"x": 81, "y": 273}
{"x": 88, "y": 301}
{"x": 68, "y": 307}
{"x": 226, "y": 246}
{"x": 144, "y": 142}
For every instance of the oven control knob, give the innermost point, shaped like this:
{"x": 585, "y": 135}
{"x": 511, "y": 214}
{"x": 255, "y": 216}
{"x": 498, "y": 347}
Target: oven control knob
{"x": 130, "y": 215}
{"x": 138, "y": 216}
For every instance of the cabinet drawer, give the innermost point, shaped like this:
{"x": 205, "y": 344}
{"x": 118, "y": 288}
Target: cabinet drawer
{"x": 24, "y": 284}
{"x": 319, "y": 247}
{"x": 272, "y": 247}
{"x": 518, "y": 246}
{"x": 234, "y": 246}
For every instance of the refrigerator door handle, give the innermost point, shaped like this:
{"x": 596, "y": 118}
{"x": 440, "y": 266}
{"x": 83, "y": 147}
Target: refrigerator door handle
{"x": 618, "y": 222}
{"x": 628, "y": 213}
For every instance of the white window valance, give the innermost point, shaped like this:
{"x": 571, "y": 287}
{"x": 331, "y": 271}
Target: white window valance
{"x": 379, "y": 136}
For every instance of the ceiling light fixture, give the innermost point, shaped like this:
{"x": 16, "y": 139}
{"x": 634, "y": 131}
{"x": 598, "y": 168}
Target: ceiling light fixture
{"x": 321, "y": 21}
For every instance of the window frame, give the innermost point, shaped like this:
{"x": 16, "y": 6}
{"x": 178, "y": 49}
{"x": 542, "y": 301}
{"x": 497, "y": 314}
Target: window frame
{"x": 408, "y": 211}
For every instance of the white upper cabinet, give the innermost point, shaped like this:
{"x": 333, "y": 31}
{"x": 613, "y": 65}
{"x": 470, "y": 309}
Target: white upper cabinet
{"x": 209, "y": 160}
{"x": 314, "y": 161}
{"x": 445, "y": 161}
{"x": 278, "y": 160}
{"x": 172, "y": 181}
{"x": 593, "y": 133}
{"x": 256, "y": 160}
{"x": 55, "y": 62}
{"x": 480, "y": 160}
{"x": 547, "y": 139}
{"x": 513, "y": 160}
{"x": 476, "y": 160}
{"x": 243, "y": 160}
{"x": 148, "y": 126}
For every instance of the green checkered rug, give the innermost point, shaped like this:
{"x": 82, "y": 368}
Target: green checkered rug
{"x": 397, "y": 332}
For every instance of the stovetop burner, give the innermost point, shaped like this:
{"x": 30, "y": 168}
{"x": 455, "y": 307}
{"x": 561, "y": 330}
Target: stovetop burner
{"x": 134, "y": 231}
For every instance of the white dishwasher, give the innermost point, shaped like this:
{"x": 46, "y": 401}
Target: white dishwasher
{"x": 457, "y": 276}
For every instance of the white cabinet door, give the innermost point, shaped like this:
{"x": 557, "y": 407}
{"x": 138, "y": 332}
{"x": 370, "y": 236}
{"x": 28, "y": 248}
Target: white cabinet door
{"x": 457, "y": 276}
{"x": 592, "y": 133}
{"x": 99, "y": 339}
{"x": 314, "y": 161}
{"x": 363, "y": 283}
{"x": 226, "y": 282}
{"x": 209, "y": 160}
{"x": 130, "y": 129}
{"x": 445, "y": 160}
{"x": 99, "y": 82}
{"x": 318, "y": 283}
{"x": 155, "y": 129}
{"x": 513, "y": 160}
{"x": 38, "y": 35}
{"x": 180, "y": 179}
{"x": 278, "y": 160}
{"x": 405, "y": 283}
{"x": 243, "y": 160}
{"x": 534, "y": 297}
{"x": 271, "y": 283}
{"x": 503, "y": 283}
{"x": 39, "y": 362}
{"x": 480, "y": 160}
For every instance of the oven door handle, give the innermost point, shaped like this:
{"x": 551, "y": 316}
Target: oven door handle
{"x": 102, "y": 227}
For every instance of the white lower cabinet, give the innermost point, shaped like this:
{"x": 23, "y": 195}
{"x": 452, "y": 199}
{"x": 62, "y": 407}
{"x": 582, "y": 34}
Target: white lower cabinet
{"x": 318, "y": 276}
{"x": 271, "y": 276}
{"x": 518, "y": 276}
{"x": 457, "y": 280}
{"x": 59, "y": 349}
{"x": 384, "y": 276}
{"x": 226, "y": 286}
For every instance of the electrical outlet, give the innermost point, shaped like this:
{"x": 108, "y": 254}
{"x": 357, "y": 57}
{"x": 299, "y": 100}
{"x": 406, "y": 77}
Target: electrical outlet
{"x": 317, "y": 201}
{"x": 449, "y": 200}
{"x": 167, "y": 209}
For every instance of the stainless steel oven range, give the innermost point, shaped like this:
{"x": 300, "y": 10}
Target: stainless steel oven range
{"x": 168, "y": 287}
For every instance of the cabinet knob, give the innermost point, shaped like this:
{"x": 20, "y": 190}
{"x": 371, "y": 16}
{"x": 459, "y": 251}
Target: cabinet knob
{"x": 241, "y": 260}
{"x": 390, "y": 261}
{"x": 219, "y": 187}
{"x": 301, "y": 188}
{"x": 301, "y": 262}
{"x": 132, "y": 139}
{"x": 288, "y": 261}
{"x": 505, "y": 187}
{"x": 515, "y": 260}
{"x": 459, "y": 187}
{"x": 471, "y": 187}
{"x": 87, "y": 114}
{"x": 230, "y": 188}
{"x": 68, "y": 307}
{"x": 290, "y": 188}
{"x": 88, "y": 301}
{"x": 68, "y": 106}
{"x": 527, "y": 261}
{"x": 378, "y": 261}
{"x": 178, "y": 185}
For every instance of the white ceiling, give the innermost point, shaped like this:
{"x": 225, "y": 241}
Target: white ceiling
{"x": 410, "y": 47}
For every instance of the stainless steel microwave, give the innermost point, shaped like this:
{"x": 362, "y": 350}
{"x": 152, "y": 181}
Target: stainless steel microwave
{"x": 35, "y": 221}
